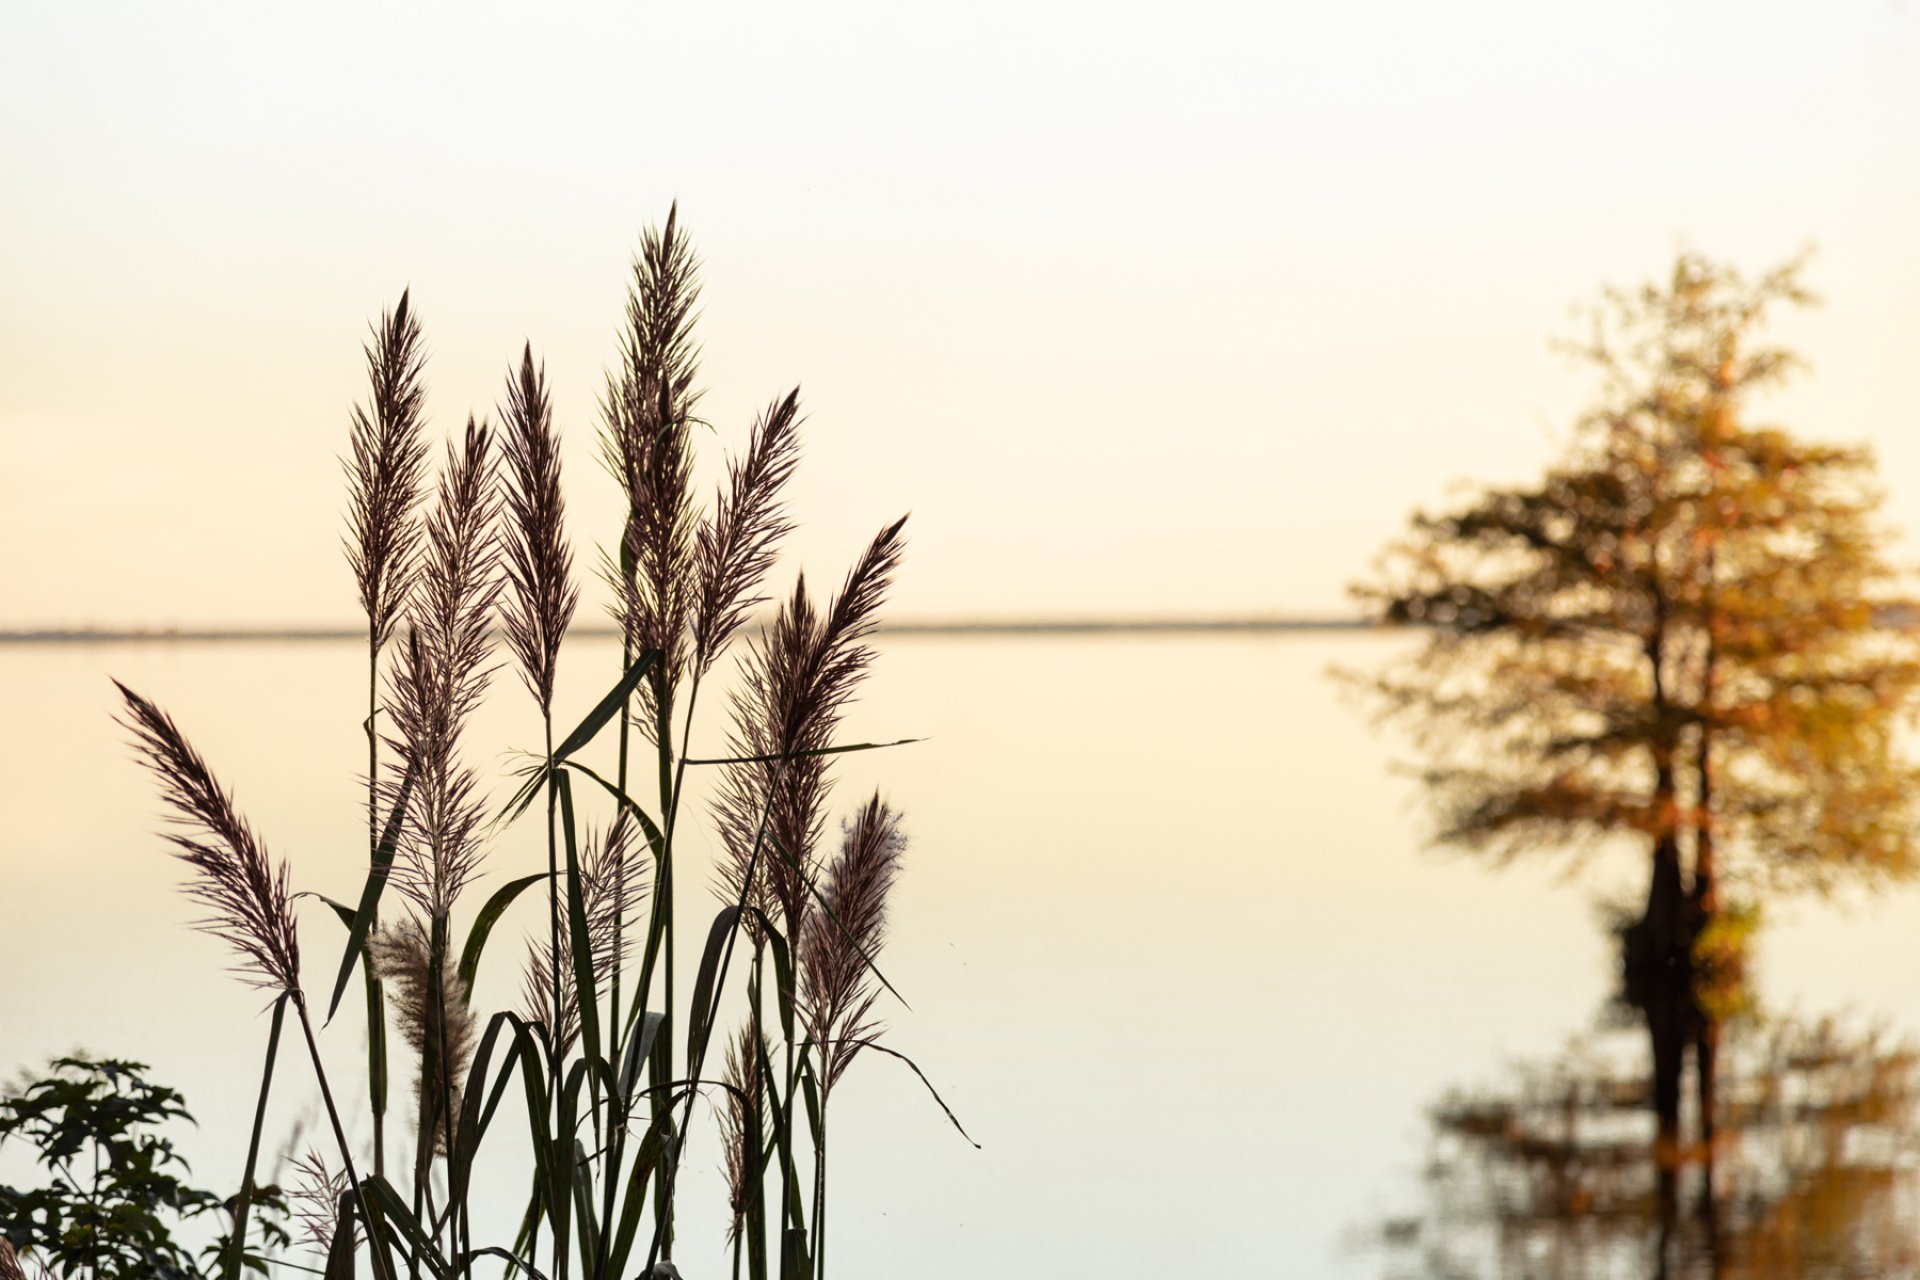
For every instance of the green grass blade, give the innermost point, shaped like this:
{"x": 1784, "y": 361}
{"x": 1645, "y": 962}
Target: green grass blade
{"x": 915, "y": 1067}
{"x": 793, "y": 1255}
{"x": 476, "y": 1115}
{"x": 495, "y": 1251}
{"x": 484, "y": 922}
{"x": 782, "y": 972}
{"x": 639, "y": 1049}
{"x": 810, "y": 1093}
{"x": 378, "y": 870}
{"x": 583, "y": 1205}
{"x": 655, "y": 840}
{"x": 799, "y": 755}
{"x": 608, "y": 707}
{"x": 585, "y": 994}
{"x": 522, "y": 799}
{"x": 340, "y": 1248}
{"x": 394, "y": 1210}
{"x": 820, "y": 899}
{"x": 376, "y": 1052}
{"x": 700, "y": 1015}
{"x": 540, "y": 1135}
{"x": 653, "y": 1147}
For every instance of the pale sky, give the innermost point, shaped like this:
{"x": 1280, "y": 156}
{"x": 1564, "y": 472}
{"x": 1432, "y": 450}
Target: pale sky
{"x": 1169, "y": 309}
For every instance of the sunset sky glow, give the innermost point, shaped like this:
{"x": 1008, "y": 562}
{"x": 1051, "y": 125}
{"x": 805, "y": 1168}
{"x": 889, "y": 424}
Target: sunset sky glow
{"x": 1139, "y": 309}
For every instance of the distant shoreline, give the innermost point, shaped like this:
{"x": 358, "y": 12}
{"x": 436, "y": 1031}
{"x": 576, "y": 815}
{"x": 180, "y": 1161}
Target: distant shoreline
{"x": 911, "y": 627}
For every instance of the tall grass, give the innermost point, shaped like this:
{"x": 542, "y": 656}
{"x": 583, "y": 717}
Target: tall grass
{"x": 609, "y": 1048}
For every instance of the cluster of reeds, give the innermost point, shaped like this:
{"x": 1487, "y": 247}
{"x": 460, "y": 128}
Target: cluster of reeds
{"x": 610, "y": 1047}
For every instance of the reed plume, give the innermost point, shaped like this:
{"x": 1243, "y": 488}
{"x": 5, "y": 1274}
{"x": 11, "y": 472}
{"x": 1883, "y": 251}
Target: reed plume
{"x": 539, "y": 564}
{"x": 735, "y": 548}
{"x": 648, "y": 417}
{"x": 245, "y": 895}
{"x": 384, "y": 472}
{"x": 743, "y": 1122}
{"x": 440, "y": 1031}
{"x": 797, "y": 678}
{"x": 609, "y": 890}
{"x": 441, "y": 677}
{"x": 836, "y": 979}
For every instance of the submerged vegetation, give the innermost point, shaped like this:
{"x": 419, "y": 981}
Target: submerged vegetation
{"x": 616, "y": 1057}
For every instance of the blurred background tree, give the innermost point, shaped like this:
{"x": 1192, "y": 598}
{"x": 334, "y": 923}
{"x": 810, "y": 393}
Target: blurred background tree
{"x": 1686, "y": 635}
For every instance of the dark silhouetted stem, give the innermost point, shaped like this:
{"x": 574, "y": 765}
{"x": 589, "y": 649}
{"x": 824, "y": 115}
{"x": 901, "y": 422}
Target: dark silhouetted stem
{"x": 381, "y": 1263}
{"x": 237, "y": 1257}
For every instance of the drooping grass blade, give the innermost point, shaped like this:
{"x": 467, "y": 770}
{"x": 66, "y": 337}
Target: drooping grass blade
{"x": 608, "y": 707}
{"x": 700, "y": 1015}
{"x": 799, "y": 755}
{"x": 483, "y": 924}
{"x": 915, "y": 1067}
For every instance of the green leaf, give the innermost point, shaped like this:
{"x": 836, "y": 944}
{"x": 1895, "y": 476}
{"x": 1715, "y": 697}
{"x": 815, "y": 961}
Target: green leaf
{"x": 381, "y": 1196}
{"x": 583, "y": 1202}
{"x": 655, "y": 840}
{"x": 379, "y": 868}
{"x": 484, "y": 922}
{"x": 495, "y": 1251}
{"x": 800, "y": 755}
{"x": 700, "y": 1015}
{"x": 782, "y": 972}
{"x": 607, "y": 707}
{"x": 474, "y": 1116}
{"x": 653, "y": 1150}
{"x": 340, "y": 1248}
{"x": 810, "y": 1093}
{"x": 585, "y": 994}
{"x": 793, "y": 1255}
{"x": 915, "y": 1067}
{"x": 639, "y": 1049}
{"x": 523, "y": 798}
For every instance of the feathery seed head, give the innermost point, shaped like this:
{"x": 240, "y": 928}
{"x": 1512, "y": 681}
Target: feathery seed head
{"x": 246, "y": 896}
{"x": 539, "y": 564}
{"x": 384, "y": 472}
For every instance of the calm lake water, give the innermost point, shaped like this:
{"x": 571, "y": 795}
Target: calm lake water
{"x": 1174, "y": 950}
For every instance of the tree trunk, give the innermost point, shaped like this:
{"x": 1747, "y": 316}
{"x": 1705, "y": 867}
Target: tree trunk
{"x": 1705, "y": 909}
{"x": 1659, "y": 981}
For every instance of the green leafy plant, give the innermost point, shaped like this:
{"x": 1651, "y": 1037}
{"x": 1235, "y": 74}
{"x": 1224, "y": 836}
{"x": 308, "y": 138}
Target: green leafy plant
{"x": 114, "y": 1193}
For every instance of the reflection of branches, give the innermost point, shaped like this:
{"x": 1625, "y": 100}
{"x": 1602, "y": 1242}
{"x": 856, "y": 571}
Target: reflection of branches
{"x": 1552, "y": 1175}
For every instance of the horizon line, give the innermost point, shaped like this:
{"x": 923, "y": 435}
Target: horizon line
{"x": 1066, "y": 625}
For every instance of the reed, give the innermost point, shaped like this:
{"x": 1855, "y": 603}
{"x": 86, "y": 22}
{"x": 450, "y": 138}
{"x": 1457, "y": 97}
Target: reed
{"x": 385, "y": 471}
{"x": 611, "y": 1064}
{"x": 245, "y": 895}
{"x": 249, "y": 907}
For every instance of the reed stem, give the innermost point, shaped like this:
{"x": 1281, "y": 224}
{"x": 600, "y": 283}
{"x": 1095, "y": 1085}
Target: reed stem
{"x": 376, "y": 1095}
{"x": 382, "y": 1265}
{"x": 236, "y": 1258}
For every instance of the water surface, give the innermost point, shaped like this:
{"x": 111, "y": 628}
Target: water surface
{"x": 1173, "y": 947}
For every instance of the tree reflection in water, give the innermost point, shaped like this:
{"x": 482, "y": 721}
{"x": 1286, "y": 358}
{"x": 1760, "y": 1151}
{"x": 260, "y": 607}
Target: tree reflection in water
{"x": 1553, "y": 1175}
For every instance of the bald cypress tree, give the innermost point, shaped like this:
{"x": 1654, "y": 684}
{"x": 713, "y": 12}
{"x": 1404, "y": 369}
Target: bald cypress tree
{"x": 1680, "y": 639}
